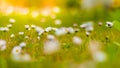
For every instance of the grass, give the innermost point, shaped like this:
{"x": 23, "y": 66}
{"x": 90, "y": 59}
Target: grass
{"x": 70, "y": 55}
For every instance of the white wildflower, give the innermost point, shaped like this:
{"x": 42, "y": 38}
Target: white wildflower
{"x": 5, "y": 29}
{"x": 51, "y": 46}
{"x": 58, "y": 22}
{"x": 109, "y": 24}
{"x": 39, "y": 29}
{"x": 16, "y": 50}
{"x": 26, "y": 37}
{"x": 12, "y": 36}
{"x": 61, "y": 31}
{"x": 33, "y": 26}
{"x": 11, "y": 20}
{"x": 2, "y": 45}
{"x": 9, "y": 26}
{"x": 71, "y": 30}
{"x": 27, "y": 26}
{"x": 22, "y": 44}
{"x": 38, "y": 38}
{"x": 77, "y": 40}
{"x": 87, "y": 33}
{"x": 99, "y": 56}
{"x": 54, "y": 29}
{"x": 48, "y": 29}
{"x": 21, "y": 33}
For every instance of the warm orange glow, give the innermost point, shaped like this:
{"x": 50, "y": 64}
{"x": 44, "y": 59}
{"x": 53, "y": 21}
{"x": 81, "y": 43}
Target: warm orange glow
{"x": 17, "y": 2}
{"x": 48, "y": 3}
{"x": 116, "y": 3}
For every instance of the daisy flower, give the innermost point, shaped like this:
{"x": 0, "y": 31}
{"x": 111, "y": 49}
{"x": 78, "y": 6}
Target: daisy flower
{"x": 71, "y": 30}
{"x": 16, "y": 50}
{"x": 39, "y": 29}
{"x": 109, "y": 24}
{"x": 33, "y": 26}
{"x": 61, "y": 31}
{"x": 2, "y": 45}
{"x": 4, "y": 29}
{"x": 27, "y": 27}
{"x": 48, "y": 29}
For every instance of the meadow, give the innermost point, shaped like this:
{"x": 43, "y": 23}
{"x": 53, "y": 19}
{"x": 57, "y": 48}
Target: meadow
{"x": 72, "y": 54}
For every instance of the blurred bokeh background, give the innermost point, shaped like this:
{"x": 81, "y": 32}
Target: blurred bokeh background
{"x": 45, "y": 13}
{"x": 97, "y": 10}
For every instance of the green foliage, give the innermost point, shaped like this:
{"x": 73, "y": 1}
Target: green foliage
{"x": 116, "y": 25}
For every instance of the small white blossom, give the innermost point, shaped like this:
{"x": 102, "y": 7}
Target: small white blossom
{"x": 27, "y": 26}
{"x": 54, "y": 29}
{"x": 12, "y": 36}
{"x": 48, "y": 29}
{"x": 88, "y": 26}
{"x": 26, "y": 37}
{"x": 1, "y": 28}
{"x": 39, "y": 29}
{"x": 22, "y": 44}
{"x": 33, "y": 26}
{"x": 99, "y": 56}
{"x": 58, "y": 22}
{"x": 77, "y": 40}
{"x": 87, "y": 33}
{"x": 11, "y": 20}
{"x": 9, "y": 26}
{"x": 5, "y": 29}
{"x": 71, "y": 30}
{"x": 2, "y": 45}
{"x": 16, "y": 50}
{"x": 38, "y": 38}
{"x": 61, "y": 31}
{"x": 21, "y": 33}
{"x": 109, "y": 24}
{"x": 51, "y": 46}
